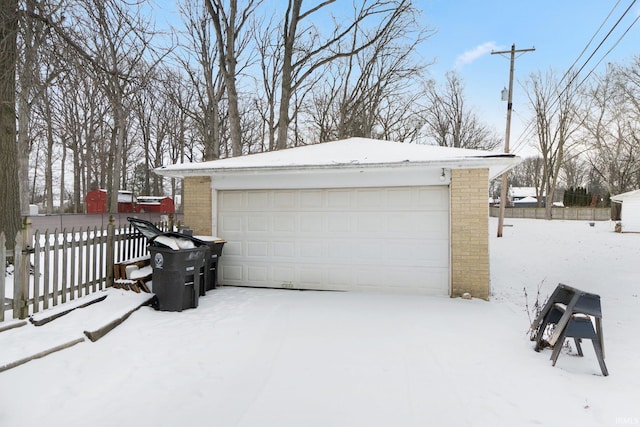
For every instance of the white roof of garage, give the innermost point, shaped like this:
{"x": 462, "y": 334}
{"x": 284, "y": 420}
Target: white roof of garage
{"x": 352, "y": 152}
{"x": 630, "y": 195}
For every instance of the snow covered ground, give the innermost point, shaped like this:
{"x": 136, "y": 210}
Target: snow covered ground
{"x": 251, "y": 357}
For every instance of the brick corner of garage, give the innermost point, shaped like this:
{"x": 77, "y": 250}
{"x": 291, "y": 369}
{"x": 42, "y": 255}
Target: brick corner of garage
{"x": 197, "y": 204}
{"x": 469, "y": 233}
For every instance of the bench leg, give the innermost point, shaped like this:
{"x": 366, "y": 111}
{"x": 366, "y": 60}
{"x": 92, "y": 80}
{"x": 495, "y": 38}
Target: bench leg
{"x": 598, "y": 349}
{"x": 578, "y": 346}
{"x": 557, "y": 347}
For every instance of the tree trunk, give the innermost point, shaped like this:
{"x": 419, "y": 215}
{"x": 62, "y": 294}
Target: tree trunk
{"x": 9, "y": 182}
{"x": 48, "y": 171}
{"x": 287, "y": 72}
{"x": 226, "y": 32}
{"x": 119, "y": 120}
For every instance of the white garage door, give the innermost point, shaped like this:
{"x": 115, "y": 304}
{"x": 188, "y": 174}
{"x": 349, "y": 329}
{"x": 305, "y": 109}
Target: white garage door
{"x": 392, "y": 239}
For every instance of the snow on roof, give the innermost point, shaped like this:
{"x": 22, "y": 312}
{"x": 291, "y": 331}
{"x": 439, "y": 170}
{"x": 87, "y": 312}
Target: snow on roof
{"x": 522, "y": 192}
{"x": 147, "y": 199}
{"x": 126, "y": 197}
{"x": 635, "y": 194}
{"x": 525, "y": 200}
{"x": 352, "y": 152}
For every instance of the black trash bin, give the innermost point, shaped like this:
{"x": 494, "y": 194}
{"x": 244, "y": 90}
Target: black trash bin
{"x": 215, "y": 245}
{"x": 178, "y": 276}
{"x": 180, "y": 272}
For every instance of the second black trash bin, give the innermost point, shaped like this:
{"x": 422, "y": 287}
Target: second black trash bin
{"x": 178, "y": 276}
{"x": 215, "y": 245}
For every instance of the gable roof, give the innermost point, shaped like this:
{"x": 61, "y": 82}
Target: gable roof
{"x": 635, "y": 194}
{"x": 350, "y": 153}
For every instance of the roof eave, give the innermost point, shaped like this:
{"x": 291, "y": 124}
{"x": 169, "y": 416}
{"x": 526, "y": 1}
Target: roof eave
{"x": 497, "y": 165}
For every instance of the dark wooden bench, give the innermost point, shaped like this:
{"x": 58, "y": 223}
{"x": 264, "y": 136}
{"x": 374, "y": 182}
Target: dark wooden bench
{"x": 573, "y": 313}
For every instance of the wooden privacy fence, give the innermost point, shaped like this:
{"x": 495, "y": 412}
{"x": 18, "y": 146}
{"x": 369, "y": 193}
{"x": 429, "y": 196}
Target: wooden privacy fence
{"x": 52, "y": 268}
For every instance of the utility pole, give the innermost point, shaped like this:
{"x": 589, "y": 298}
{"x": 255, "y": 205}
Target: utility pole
{"x": 505, "y": 175}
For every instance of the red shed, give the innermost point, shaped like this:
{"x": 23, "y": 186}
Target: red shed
{"x": 96, "y": 201}
{"x": 159, "y": 204}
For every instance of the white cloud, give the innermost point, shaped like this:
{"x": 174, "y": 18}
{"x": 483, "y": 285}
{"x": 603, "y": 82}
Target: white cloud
{"x": 471, "y": 55}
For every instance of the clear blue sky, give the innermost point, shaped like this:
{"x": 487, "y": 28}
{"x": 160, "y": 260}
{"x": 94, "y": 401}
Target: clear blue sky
{"x": 467, "y": 31}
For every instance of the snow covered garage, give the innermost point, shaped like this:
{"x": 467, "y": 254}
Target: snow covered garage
{"x": 355, "y": 214}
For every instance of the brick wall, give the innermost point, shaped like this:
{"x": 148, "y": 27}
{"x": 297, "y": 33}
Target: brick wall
{"x": 197, "y": 204}
{"x": 470, "y": 233}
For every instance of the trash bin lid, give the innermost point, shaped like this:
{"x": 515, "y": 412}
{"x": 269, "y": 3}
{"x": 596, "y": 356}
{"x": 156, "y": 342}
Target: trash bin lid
{"x": 153, "y": 235}
{"x": 145, "y": 227}
{"x": 211, "y": 239}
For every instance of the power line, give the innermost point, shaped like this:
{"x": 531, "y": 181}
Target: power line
{"x": 526, "y": 133}
{"x": 609, "y": 51}
{"x": 597, "y": 48}
{"x": 590, "y": 41}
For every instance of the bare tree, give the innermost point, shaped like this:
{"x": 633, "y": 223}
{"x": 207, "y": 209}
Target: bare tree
{"x": 575, "y": 172}
{"x": 270, "y": 53}
{"x": 449, "y": 122}
{"x": 228, "y": 26}
{"x": 378, "y": 75}
{"x": 116, "y": 38}
{"x": 199, "y": 57}
{"x": 371, "y": 94}
{"x": 556, "y": 119}
{"x": 305, "y": 50}
{"x": 527, "y": 173}
{"x": 610, "y": 131}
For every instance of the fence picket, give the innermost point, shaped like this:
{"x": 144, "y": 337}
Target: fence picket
{"x": 47, "y": 268}
{"x": 99, "y": 260}
{"x": 86, "y": 263}
{"x": 36, "y": 271}
{"x": 56, "y": 265}
{"x": 72, "y": 258}
{"x": 64, "y": 283}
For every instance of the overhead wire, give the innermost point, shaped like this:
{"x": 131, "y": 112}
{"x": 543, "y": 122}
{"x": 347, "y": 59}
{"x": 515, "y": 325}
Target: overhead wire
{"x": 526, "y": 133}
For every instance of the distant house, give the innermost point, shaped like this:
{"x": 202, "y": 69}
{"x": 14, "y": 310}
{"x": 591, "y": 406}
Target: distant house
{"x": 355, "y": 214}
{"x": 523, "y": 197}
{"x": 630, "y": 210}
{"x": 526, "y": 202}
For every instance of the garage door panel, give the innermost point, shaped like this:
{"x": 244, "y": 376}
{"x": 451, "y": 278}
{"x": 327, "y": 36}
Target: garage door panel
{"x": 311, "y": 199}
{"x": 284, "y": 200}
{"x": 395, "y": 238}
{"x": 230, "y": 201}
{"x": 233, "y": 249}
{"x": 311, "y": 275}
{"x": 419, "y": 224}
{"x": 258, "y": 249}
{"x": 311, "y": 249}
{"x": 339, "y": 222}
{"x": 283, "y": 275}
{"x": 283, "y": 249}
{"x": 231, "y": 223}
{"x": 231, "y": 273}
{"x": 339, "y": 199}
{"x": 258, "y": 273}
{"x": 284, "y": 223}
